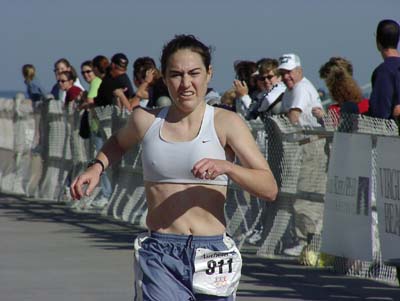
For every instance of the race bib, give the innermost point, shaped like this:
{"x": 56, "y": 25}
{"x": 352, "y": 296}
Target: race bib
{"x": 217, "y": 273}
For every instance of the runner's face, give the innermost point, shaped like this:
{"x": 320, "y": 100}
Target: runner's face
{"x": 187, "y": 79}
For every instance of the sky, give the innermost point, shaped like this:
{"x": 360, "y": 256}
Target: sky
{"x": 42, "y": 31}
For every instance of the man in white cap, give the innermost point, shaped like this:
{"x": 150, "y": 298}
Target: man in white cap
{"x": 298, "y": 101}
{"x": 301, "y": 95}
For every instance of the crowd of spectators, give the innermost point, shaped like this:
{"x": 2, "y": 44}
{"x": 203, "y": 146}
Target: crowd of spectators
{"x": 269, "y": 86}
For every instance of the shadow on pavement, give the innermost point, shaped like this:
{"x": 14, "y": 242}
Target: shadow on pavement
{"x": 103, "y": 232}
{"x": 279, "y": 279}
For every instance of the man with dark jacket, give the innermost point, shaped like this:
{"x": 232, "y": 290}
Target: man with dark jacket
{"x": 385, "y": 97}
{"x": 116, "y": 78}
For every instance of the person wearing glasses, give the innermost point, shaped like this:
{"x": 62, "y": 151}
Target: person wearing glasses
{"x": 73, "y": 94}
{"x": 94, "y": 83}
{"x": 188, "y": 151}
{"x": 59, "y": 66}
{"x": 268, "y": 98}
{"x": 270, "y": 102}
{"x": 66, "y": 80}
{"x": 115, "y": 78}
{"x": 90, "y": 76}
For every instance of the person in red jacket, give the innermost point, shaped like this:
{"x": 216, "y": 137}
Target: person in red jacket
{"x": 66, "y": 81}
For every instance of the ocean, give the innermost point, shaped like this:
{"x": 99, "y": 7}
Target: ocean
{"x": 9, "y": 93}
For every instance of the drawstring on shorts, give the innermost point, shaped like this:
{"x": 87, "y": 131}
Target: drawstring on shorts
{"x": 189, "y": 241}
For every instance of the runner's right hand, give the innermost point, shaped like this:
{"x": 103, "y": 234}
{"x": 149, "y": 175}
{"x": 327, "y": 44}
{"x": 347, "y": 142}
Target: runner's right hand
{"x": 90, "y": 177}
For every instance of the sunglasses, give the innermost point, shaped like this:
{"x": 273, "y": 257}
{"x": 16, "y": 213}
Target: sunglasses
{"x": 62, "y": 81}
{"x": 86, "y": 71}
{"x": 269, "y": 77}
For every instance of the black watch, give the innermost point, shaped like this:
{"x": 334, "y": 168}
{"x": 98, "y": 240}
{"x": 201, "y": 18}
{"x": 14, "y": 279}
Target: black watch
{"x": 96, "y": 161}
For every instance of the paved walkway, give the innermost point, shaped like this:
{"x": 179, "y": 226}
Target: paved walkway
{"x": 48, "y": 253}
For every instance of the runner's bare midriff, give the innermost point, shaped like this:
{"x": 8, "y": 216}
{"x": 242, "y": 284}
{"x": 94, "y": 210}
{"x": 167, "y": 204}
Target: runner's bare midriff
{"x": 188, "y": 209}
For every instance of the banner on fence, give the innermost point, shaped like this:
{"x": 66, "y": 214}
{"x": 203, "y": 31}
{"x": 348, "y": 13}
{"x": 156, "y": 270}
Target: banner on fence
{"x": 388, "y": 198}
{"x": 347, "y": 211}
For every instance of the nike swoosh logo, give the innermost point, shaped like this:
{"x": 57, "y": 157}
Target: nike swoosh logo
{"x": 205, "y": 141}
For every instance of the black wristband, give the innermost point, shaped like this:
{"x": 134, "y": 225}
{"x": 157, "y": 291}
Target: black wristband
{"x": 95, "y": 161}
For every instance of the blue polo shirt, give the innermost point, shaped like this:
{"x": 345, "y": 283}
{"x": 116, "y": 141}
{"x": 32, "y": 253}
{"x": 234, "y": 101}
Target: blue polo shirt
{"x": 35, "y": 90}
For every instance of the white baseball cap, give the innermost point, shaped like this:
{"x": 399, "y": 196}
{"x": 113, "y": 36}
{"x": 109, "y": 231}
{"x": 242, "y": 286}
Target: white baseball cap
{"x": 289, "y": 61}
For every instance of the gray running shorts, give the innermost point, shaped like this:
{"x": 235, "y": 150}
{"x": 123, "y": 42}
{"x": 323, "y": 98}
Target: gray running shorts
{"x": 169, "y": 267}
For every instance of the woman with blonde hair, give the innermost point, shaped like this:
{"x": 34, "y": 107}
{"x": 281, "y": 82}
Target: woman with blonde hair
{"x": 37, "y": 95}
{"x": 35, "y": 90}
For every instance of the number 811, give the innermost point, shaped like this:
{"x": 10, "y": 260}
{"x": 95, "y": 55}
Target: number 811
{"x": 212, "y": 265}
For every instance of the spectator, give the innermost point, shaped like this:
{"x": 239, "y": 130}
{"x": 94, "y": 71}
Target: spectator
{"x": 344, "y": 90}
{"x": 385, "y": 96}
{"x": 298, "y": 101}
{"x": 73, "y": 94}
{"x": 87, "y": 70}
{"x": 37, "y": 95}
{"x": 244, "y": 72}
{"x": 66, "y": 81}
{"x": 34, "y": 89}
{"x": 256, "y": 96}
{"x": 244, "y": 84}
{"x": 115, "y": 78}
{"x": 150, "y": 86}
{"x": 60, "y": 66}
{"x": 270, "y": 102}
{"x": 338, "y": 61}
{"x": 301, "y": 95}
{"x": 212, "y": 97}
{"x": 322, "y": 94}
{"x": 227, "y": 100}
{"x": 266, "y": 103}
{"x": 101, "y": 65}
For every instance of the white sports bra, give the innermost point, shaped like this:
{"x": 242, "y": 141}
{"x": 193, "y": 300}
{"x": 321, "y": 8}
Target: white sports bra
{"x": 171, "y": 162}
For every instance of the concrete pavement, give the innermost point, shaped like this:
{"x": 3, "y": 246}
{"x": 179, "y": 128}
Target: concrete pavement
{"x": 49, "y": 253}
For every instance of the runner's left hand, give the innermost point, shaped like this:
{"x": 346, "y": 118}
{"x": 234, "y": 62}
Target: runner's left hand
{"x": 209, "y": 169}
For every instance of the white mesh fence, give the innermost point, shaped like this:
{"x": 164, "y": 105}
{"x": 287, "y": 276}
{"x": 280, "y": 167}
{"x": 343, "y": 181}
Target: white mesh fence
{"x": 43, "y": 168}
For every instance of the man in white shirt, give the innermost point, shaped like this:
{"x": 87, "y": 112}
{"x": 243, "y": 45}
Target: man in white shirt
{"x": 300, "y": 96}
{"x": 298, "y": 101}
